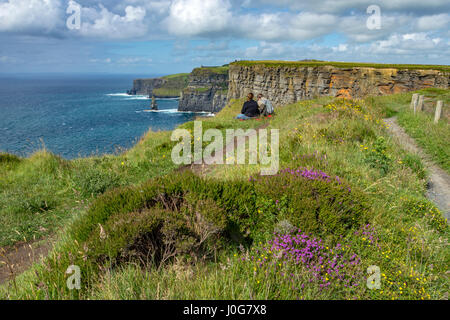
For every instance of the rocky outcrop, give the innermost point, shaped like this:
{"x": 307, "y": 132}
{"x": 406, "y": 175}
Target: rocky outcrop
{"x": 206, "y": 91}
{"x": 146, "y": 86}
{"x": 209, "y": 100}
{"x": 290, "y": 83}
{"x": 164, "y": 87}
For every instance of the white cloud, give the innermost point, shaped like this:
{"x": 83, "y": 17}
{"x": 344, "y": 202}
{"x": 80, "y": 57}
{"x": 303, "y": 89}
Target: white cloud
{"x": 134, "y": 60}
{"x": 31, "y": 16}
{"x": 106, "y": 24}
{"x": 413, "y": 28}
{"x": 433, "y": 22}
{"x": 283, "y": 26}
{"x": 334, "y": 6}
{"x": 340, "y": 48}
{"x": 106, "y": 60}
{"x": 198, "y": 17}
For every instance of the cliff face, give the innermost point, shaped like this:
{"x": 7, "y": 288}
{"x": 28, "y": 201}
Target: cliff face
{"x": 289, "y": 84}
{"x": 165, "y": 87}
{"x": 146, "y": 86}
{"x": 206, "y": 91}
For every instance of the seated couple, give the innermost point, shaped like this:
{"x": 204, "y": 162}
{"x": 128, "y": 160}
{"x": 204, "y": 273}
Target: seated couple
{"x": 253, "y": 109}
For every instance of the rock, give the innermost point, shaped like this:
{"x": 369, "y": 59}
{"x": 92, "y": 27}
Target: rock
{"x": 289, "y": 84}
{"x": 206, "y": 91}
{"x": 164, "y": 87}
{"x": 146, "y": 86}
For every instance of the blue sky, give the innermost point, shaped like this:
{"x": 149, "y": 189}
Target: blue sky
{"x": 168, "y": 36}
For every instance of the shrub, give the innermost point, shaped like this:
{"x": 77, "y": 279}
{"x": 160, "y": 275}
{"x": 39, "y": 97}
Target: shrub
{"x": 419, "y": 208}
{"x": 154, "y": 236}
{"x": 6, "y": 158}
{"x": 313, "y": 201}
{"x": 377, "y": 156}
{"x": 182, "y": 214}
{"x": 302, "y": 261}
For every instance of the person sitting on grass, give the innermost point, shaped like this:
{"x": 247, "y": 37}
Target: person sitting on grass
{"x": 265, "y": 106}
{"x": 250, "y": 109}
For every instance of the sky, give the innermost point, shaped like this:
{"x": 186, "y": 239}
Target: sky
{"x": 171, "y": 36}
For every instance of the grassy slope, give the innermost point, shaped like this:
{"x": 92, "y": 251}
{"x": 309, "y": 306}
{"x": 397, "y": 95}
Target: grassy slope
{"x": 274, "y": 63}
{"x": 433, "y": 138}
{"x": 39, "y": 193}
{"x": 339, "y": 140}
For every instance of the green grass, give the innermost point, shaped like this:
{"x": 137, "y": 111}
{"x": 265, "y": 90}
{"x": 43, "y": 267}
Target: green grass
{"x": 434, "y": 139}
{"x": 274, "y": 63}
{"x": 202, "y": 89}
{"x": 208, "y": 70}
{"x": 342, "y": 138}
{"x": 174, "y": 85}
{"x": 177, "y": 75}
{"x": 40, "y": 193}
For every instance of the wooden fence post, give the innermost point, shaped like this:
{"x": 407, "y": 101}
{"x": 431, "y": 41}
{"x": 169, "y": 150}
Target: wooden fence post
{"x": 438, "y": 112}
{"x": 414, "y": 98}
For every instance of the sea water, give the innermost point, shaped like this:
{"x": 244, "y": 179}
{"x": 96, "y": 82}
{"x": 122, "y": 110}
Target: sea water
{"x": 77, "y": 116}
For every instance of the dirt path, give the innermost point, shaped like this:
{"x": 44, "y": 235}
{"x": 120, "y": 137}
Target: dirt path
{"x": 15, "y": 260}
{"x": 204, "y": 168}
{"x": 439, "y": 184}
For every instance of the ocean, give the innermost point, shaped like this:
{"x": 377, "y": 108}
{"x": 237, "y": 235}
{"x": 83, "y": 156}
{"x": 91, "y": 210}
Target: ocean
{"x": 78, "y": 116}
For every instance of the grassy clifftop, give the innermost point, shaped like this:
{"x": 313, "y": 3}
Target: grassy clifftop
{"x": 173, "y": 86}
{"x": 313, "y": 63}
{"x": 137, "y": 221}
{"x": 211, "y": 70}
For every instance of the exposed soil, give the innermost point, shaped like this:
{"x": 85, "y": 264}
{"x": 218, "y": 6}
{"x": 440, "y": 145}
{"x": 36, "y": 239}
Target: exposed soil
{"x": 17, "y": 259}
{"x": 439, "y": 184}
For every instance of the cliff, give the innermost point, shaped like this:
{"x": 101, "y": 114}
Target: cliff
{"x": 164, "y": 87}
{"x": 289, "y": 82}
{"x": 206, "y": 90}
{"x": 210, "y": 88}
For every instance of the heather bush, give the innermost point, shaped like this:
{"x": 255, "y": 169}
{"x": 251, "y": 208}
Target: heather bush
{"x": 312, "y": 200}
{"x": 304, "y": 263}
{"x": 154, "y": 236}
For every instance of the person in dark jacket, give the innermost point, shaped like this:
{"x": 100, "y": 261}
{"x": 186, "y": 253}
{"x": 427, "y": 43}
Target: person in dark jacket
{"x": 250, "y": 109}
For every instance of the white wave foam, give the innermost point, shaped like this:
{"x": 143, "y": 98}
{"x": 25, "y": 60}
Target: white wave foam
{"x": 207, "y": 114}
{"x": 138, "y": 98}
{"x": 163, "y": 111}
{"x": 118, "y": 95}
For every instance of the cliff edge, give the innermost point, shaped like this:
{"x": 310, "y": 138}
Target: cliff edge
{"x": 289, "y": 82}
